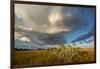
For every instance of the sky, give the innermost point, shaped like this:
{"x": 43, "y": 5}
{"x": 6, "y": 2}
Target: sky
{"x": 43, "y": 26}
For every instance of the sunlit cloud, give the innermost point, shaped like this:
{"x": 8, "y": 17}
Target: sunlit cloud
{"x": 48, "y": 19}
{"x": 25, "y": 39}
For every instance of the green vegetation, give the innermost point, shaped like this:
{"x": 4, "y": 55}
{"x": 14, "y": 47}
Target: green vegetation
{"x": 50, "y": 56}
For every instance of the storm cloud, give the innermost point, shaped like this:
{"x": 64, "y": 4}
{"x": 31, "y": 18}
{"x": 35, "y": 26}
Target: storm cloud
{"x": 45, "y": 25}
{"x": 48, "y": 19}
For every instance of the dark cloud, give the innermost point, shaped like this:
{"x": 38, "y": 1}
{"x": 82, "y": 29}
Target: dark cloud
{"x": 49, "y": 19}
{"x": 42, "y": 38}
{"x": 85, "y": 36}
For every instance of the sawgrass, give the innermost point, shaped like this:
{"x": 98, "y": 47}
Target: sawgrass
{"x": 54, "y": 56}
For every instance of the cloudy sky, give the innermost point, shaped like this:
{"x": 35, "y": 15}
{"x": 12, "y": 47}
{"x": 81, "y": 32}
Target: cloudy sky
{"x": 43, "y": 26}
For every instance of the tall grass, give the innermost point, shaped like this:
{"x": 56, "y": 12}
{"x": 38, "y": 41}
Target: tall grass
{"x": 52, "y": 56}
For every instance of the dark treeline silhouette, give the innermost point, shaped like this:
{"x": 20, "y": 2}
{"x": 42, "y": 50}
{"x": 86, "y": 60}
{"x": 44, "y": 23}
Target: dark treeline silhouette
{"x": 24, "y": 49}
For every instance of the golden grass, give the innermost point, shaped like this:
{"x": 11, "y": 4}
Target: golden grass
{"x": 54, "y": 56}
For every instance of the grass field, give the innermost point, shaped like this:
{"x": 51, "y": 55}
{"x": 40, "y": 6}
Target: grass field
{"x": 54, "y": 56}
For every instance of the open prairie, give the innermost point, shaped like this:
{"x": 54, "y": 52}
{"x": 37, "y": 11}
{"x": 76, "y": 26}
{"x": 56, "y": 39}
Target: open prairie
{"x": 53, "y": 56}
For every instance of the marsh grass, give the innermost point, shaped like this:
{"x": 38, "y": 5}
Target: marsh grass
{"x": 52, "y": 56}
